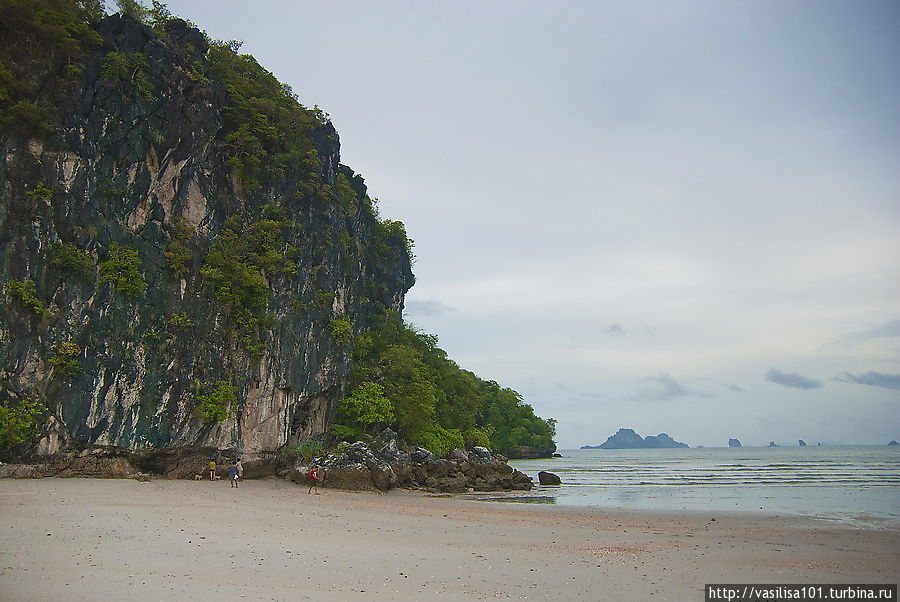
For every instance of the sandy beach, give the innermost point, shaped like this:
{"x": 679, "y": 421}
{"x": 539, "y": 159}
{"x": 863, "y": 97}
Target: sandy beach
{"x": 92, "y": 539}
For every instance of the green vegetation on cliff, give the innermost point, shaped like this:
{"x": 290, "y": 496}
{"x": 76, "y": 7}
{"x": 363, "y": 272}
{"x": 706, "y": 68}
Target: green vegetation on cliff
{"x": 219, "y": 404}
{"x": 122, "y": 271}
{"x": 65, "y": 359}
{"x": 19, "y": 422}
{"x": 402, "y": 379}
{"x": 25, "y": 295}
{"x": 49, "y": 39}
{"x": 266, "y": 129}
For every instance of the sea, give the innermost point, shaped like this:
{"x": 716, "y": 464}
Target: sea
{"x": 851, "y": 484}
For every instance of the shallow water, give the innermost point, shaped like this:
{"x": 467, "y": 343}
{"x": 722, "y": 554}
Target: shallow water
{"x": 846, "y": 483}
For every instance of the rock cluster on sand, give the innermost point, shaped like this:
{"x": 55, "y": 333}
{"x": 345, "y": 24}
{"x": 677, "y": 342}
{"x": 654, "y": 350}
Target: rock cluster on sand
{"x": 382, "y": 466}
{"x": 378, "y": 467}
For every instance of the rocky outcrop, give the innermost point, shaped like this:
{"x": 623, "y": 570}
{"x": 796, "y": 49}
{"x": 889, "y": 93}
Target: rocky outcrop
{"x": 548, "y": 478}
{"x": 772, "y": 444}
{"x": 734, "y": 443}
{"x": 891, "y": 443}
{"x": 113, "y": 462}
{"x": 359, "y": 467}
{"x": 362, "y": 467}
{"x": 662, "y": 440}
{"x": 140, "y": 177}
{"x": 802, "y": 443}
{"x": 628, "y": 439}
{"x": 526, "y": 452}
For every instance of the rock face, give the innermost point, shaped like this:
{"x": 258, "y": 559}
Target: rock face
{"x": 734, "y": 443}
{"x": 360, "y": 467}
{"x": 628, "y": 439}
{"x": 145, "y": 179}
{"x": 548, "y": 478}
{"x": 117, "y": 462}
{"x": 802, "y": 443}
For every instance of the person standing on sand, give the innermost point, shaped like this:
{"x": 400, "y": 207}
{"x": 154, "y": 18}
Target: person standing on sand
{"x": 314, "y": 478}
{"x": 212, "y": 470}
{"x": 233, "y": 473}
{"x": 240, "y": 470}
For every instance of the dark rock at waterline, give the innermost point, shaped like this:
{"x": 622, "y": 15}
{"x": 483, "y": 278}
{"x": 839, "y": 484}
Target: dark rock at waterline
{"x": 527, "y": 452}
{"x": 734, "y": 443}
{"x": 557, "y": 456}
{"x": 772, "y": 444}
{"x": 802, "y": 443}
{"x": 548, "y": 478}
{"x": 893, "y": 443}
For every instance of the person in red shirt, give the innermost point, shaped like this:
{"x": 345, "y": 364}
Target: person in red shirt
{"x": 314, "y": 478}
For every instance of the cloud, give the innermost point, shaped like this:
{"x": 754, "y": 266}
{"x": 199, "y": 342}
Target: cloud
{"x": 427, "y": 308}
{"x": 664, "y": 387}
{"x": 888, "y": 329}
{"x": 791, "y": 379}
{"x": 882, "y": 331}
{"x": 875, "y": 379}
{"x": 614, "y": 329}
{"x": 725, "y": 385}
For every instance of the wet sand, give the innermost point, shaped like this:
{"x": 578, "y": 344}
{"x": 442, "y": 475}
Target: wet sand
{"x": 93, "y": 539}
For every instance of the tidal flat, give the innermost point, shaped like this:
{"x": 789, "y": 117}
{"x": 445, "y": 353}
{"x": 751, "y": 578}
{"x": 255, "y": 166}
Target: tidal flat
{"x": 91, "y": 539}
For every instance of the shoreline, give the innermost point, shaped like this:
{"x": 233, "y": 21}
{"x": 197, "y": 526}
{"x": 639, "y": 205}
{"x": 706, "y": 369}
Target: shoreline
{"x": 541, "y": 496}
{"x": 165, "y": 539}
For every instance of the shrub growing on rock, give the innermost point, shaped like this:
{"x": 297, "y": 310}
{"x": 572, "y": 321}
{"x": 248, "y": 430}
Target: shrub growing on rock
{"x": 19, "y": 422}
{"x": 25, "y": 294}
{"x": 69, "y": 258}
{"x": 65, "y": 359}
{"x": 218, "y": 405}
{"x": 123, "y": 271}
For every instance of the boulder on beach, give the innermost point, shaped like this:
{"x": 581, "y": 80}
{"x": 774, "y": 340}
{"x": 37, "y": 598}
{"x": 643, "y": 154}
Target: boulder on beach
{"x": 548, "y": 478}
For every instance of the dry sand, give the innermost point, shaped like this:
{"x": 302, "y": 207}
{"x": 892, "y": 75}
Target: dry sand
{"x": 86, "y": 539}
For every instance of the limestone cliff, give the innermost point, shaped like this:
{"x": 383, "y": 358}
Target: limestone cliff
{"x": 184, "y": 258}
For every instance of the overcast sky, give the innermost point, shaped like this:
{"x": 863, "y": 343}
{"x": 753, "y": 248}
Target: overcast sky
{"x": 670, "y": 216}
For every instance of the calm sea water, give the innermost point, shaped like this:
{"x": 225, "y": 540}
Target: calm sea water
{"x": 846, "y": 483}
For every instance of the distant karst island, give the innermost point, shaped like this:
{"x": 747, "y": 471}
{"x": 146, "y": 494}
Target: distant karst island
{"x": 628, "y": 439}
